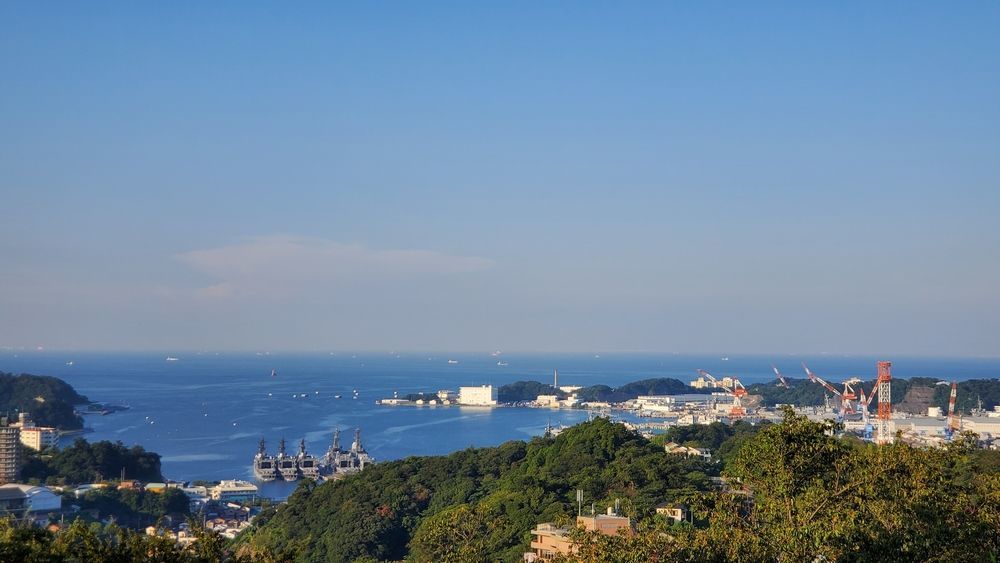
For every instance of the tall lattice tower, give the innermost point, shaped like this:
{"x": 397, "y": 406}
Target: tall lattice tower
{"x": 883, "y": 429}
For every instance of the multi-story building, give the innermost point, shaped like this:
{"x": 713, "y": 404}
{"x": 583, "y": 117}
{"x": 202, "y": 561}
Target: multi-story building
{"x": 39, "y": 437}
{"x": 36, "y": 437}
{"x": 483, "y": 395}
{"x": 549, "y": 540}
{"x": 10, "y": 452}
{"x": 233, "y": 490}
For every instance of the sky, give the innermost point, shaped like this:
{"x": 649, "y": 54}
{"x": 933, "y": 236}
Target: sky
{"x": 541, "y": 176}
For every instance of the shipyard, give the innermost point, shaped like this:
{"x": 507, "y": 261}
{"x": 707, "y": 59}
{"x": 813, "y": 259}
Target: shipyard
{"x": 867, "y": 415}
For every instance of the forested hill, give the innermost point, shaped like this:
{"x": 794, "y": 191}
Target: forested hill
{"x": 529, "y": 390}
{"x": 50, "y": 400}
{"x": 492, "y": 496}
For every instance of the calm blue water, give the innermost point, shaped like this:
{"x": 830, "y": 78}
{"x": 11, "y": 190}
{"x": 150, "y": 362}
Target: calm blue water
{"x": 205, "y": 412}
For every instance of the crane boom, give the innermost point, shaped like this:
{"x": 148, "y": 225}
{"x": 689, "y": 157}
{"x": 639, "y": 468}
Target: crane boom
{"x": 821, "y": 381}
{"x": 780, "y": 377}
{"x": 952, "y": 399}
{"x": 738, "y": 391}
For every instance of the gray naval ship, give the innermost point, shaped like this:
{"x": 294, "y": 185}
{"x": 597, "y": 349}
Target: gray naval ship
{"x": 336, "y": 463}
{"x": 339, "y": 462}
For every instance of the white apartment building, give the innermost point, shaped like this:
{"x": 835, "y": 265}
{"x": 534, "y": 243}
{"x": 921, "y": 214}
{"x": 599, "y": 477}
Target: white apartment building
{"x": 39, "y": 437}
{"x": 481, "y": 395}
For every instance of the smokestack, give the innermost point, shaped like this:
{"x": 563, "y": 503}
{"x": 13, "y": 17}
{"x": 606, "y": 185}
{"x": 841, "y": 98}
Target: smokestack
{"x": 555, "y": 378}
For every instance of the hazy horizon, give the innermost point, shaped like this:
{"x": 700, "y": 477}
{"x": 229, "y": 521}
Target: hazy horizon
{"x": 648, "y": 177}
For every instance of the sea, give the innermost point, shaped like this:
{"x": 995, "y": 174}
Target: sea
{"x": 205, "y": 412}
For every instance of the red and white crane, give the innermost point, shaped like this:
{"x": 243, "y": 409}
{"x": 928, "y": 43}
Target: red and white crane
{"x": 848, "y": 396}
{"x": 737, "y": 391}
{"x": 780, "y": 377}
{"x": 817, "y": 379}
{"x": 952, "y": 400}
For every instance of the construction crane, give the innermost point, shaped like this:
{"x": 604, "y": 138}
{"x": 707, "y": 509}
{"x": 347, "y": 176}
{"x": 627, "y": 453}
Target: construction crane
{"x": 737, "y": 391}
{"x": 780, "y": 377}
{"x": 848, "y": 396}
{"x": 883, "y": 384}
{"x": 953, "y": 426}
{"x": 817, "y": 379}
{"x": 863, "y": 406}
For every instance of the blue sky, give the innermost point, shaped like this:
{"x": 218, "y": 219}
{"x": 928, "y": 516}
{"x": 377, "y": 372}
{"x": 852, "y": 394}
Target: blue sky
{"x": 689, "y": 177}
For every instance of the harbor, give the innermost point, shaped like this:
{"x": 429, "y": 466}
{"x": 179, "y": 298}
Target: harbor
{"x": 206, "y": 414}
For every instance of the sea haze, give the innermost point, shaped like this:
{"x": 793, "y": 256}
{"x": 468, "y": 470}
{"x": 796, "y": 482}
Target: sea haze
{"x": 205, "y": 412}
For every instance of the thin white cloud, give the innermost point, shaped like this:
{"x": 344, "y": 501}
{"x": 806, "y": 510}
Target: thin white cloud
{"x": 280, "y": 264}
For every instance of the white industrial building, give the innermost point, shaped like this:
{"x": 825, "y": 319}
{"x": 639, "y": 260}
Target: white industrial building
{"x": 682, "y": 402}
{"x": 482, "y": 395}
{"x": 36, "y": 498}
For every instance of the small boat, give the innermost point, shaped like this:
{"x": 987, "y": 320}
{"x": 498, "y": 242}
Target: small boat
{"x": 452, "y": 361}
{"x": 274, "y": 372}
{"x": 69, "y": 363}
{"x": 501, "y": 364}
{"x": 336, "y": 396}
{"x": 172, "y": 359}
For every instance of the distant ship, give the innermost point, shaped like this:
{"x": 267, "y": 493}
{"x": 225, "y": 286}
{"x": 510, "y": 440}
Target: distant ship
{"x": 172, "y": 359}
{"x": 336, "y": 396}
{"x": 69, "y": 363}
{"x": 501, "y": 363}
{"x": 452, "y": 361}
{"x": 274, "y": 372}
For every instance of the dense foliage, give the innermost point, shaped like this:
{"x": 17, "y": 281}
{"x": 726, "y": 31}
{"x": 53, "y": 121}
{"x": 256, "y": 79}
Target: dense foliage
{"x": 49, "y": 400}
{"x": 85, "y": 462}
{"x": 482, "y": 501}
{"x": 520, "y": 391}
{"x": 136, "y": 509}
{"x": 81, "y": 542}
{"x": 723, "y": 440}
{"x": 805, "y": 495}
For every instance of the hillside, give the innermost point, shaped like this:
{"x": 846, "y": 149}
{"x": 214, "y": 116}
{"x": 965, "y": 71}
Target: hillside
{"x": 50, "y": 400}
{"x": 86, "y": 462}
{"x": 398, "y": 509}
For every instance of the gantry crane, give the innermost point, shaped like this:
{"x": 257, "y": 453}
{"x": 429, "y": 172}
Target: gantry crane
{"x": 737, "y": 391}
{"x": 848, "y": 396}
